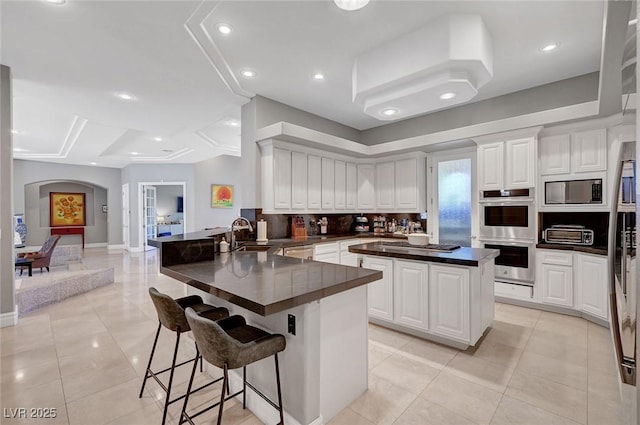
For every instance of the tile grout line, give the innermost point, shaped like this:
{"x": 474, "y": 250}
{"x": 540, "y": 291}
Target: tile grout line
{"x": 55, "y": 347}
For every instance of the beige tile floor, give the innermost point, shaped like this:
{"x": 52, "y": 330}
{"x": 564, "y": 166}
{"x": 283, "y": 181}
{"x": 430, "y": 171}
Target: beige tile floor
{"x": 85, "y": 357}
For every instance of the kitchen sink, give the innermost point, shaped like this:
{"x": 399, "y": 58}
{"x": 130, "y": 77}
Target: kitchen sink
{"x": 253, "y": 248}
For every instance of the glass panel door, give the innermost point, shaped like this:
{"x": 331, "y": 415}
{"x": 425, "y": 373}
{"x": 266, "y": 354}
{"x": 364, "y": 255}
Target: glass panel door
{"x": 150, "y": 217}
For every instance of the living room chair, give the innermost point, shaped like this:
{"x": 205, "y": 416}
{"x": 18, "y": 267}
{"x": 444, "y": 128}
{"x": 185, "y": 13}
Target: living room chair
{"x": 41, "y": 258}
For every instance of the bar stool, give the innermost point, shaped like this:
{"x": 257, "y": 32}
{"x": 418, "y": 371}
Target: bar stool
{"x": 171, "y": 315}
{"x": 230, "y": 344}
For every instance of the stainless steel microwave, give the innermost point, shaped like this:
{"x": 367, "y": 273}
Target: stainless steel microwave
{"x": 573, "y": 192}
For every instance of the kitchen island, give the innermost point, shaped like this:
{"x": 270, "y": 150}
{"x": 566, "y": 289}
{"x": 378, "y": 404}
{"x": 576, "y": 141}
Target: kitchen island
{"x": 321, "y": 308}
{"x": 445, "y": 295}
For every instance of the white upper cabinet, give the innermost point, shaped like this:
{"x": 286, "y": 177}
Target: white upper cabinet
{"x": 281, "y": 178}
{"x": 298, "y": 181}
{"x": 507, "y": 165}
{"x": 491, "y": 166}
{"x": 352, "y": 186}
{"x": 314, "y": 183}
{"x": 385, "y": 186}
{"x": 519, "y": 163}
{"x": 589, "y": 151}
{"x": 340, "y": 185}
{"x": 366, "y": 190}
{"x": 407, "y": 184}
{"x": 328, "y": 183}
{"x": 555, "y": 157}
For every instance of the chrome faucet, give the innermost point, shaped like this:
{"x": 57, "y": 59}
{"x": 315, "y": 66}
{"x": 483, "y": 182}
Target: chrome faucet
{"x": 235, "y": 227}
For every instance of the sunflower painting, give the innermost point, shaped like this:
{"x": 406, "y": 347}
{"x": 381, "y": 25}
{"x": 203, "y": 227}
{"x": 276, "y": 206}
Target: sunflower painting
{"x": 221, "y": 196}
{"x": 66, "y": 209}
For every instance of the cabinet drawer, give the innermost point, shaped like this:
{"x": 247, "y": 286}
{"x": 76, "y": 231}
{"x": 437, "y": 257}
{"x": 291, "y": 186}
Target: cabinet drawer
{"x": 325, "y": 248}
{"x": 513, "y": 291}
{"x": 556, "y": 257}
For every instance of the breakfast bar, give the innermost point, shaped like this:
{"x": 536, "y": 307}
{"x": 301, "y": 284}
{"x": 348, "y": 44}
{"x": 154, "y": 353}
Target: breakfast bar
{"x": 321, "y": 308}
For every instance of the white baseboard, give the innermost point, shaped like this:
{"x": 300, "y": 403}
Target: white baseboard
{"x": 9, "y": 319}
{"x": 95, "y": 245}
{"x": 136, "y": 249}
{"x": 115, "y": 246}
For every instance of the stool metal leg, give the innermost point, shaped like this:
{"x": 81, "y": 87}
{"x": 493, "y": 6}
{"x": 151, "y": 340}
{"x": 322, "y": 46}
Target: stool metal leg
{"x": 153, "y": 350}
{"x": 279, "y": 392}
{"x": 244, "y": 387}
{"x": 186, "y": 397}
{"x": 173, "y": 368}
{"x": 224, "y": 384}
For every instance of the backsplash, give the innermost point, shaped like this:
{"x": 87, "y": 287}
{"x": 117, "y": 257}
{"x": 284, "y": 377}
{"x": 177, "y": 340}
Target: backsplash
{"x": 596, "y": 221}
{"x": 279, "y": 225}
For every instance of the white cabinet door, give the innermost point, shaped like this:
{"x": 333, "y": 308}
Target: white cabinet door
{"x": 327, "y": 253}
{"x": 385, "y": 185}
{"x": 281, "y": 178}
{"x": 340, "y": 185}
{"x": 589, "y": 151}
{"x": 557, "y": 284}
{"x": 449, "y": 302}
{"x": 314, "y": 183}
{"x": 411, "y": 292}
{"x": 519, "y": 163}
{"x": 591, "y": 283}
{"x": 348, "y": 258}
{"x": 491, "y": 166}
{"x": 352, "y": 186}
{"x": 380, "y": 293}
{"x": 407, "y": 184}
{"x": 366, "y": 191}
{"x": 555, "y": 157}
{"x": 298, "y": 181}
{"x": 328, "y": 183}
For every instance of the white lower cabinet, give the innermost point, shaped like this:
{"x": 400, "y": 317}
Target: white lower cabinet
{"x": 411, "y": 294}
{"x": 348, "y": 258}
{"x": 449, "y": 302}
{"x": 380, "y": 293}
{"x": 591, "y": 291}
{"x": 327, "y": 253}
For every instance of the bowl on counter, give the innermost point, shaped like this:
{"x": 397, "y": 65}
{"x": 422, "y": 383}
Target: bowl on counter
{"x": 418, "y": 238}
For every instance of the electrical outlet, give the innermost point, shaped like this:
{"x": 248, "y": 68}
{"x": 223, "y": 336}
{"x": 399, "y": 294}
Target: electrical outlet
{"x": 291, "y": 324}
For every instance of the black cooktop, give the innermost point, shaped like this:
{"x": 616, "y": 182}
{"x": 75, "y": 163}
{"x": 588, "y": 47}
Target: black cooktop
{"x": 431, "y": 246}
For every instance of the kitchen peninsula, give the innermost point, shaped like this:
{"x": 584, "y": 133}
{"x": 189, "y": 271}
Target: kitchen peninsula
{"x": 437, "y": 292}
{"x": 321, "y": 308}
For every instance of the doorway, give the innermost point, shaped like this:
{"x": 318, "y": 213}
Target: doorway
{"x": 152, "y": 222}
{"x": 453, "y": 197}
{"x": 126, "y": 214}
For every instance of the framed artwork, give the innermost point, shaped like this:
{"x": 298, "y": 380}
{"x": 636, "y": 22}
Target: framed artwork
{"x": 221, "y": 196}
{"x": 67, "y": 209}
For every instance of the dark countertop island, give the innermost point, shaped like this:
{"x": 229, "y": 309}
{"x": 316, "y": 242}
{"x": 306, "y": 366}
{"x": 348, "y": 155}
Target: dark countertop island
{"x": 462, "y": 256}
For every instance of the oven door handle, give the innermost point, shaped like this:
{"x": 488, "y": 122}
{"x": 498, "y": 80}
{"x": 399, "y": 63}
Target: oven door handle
{"x": 506, "y": 201}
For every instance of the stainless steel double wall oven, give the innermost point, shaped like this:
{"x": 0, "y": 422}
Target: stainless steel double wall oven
{"x": 507, "y": 223}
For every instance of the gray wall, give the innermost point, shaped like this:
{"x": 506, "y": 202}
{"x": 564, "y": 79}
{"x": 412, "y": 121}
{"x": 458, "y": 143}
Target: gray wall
{"x": 37, "y": 214}
{"x": 153, "y": 173}
{"x": 7, "y": 282}
{"x": 549, "y": 96}
{"x": 167, "y": 200}
{"x": 26, "y": 173}
{"x": 250, "y": 154}
{"x": 221, "y": 170}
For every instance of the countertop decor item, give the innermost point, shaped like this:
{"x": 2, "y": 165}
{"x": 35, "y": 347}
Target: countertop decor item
{"x": 418, "y": 238}
{"x": 262, "y": 231}
{"x": 67, "y": 209}
{"x": 221, "y": 196}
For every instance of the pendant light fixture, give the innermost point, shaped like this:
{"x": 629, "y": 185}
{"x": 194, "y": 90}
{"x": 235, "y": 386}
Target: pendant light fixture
{"x": 351, "y": 4}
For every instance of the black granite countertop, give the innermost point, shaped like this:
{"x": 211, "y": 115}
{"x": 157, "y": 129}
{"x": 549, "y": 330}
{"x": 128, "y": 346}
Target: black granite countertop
{"x": 266, "y": 283}
{"x": 598, "y": 250}
{"x": 194, "y": 236}
{"x": 462, "y": 256}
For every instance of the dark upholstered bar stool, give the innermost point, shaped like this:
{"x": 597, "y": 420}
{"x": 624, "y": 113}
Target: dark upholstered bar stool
{"x": 231, "y": 344}
{"x": 171, "y": 315}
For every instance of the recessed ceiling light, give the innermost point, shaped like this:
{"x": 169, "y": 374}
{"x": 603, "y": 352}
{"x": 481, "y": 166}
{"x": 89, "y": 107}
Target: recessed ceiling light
{"x": 248, "y": 73}
{"x": 318, "y": 76}
{"x": 93, "y": 163}
{"x": 389, "y": 112}
{"x": 158, "y": 139}
{"x": 20, "y": 150}
{"x": 58, "y": 2}
{"x": 224, "y": 29}
{"x": 15, "y": 132}
{"x": 351, "y": 4}
{"x": 133, "y": 153}
{"x": 125, "y": 96}
{"x": 233, "y": 123}
{"x": 633, "y": 21}
{"x": 447, "y": 96}
{"x": 549, "y": 47}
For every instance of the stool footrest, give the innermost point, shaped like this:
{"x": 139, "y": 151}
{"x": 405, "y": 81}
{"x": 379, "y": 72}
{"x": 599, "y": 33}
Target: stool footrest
{"x": 257, "y": 391}
{"x": 188, "y": 418}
